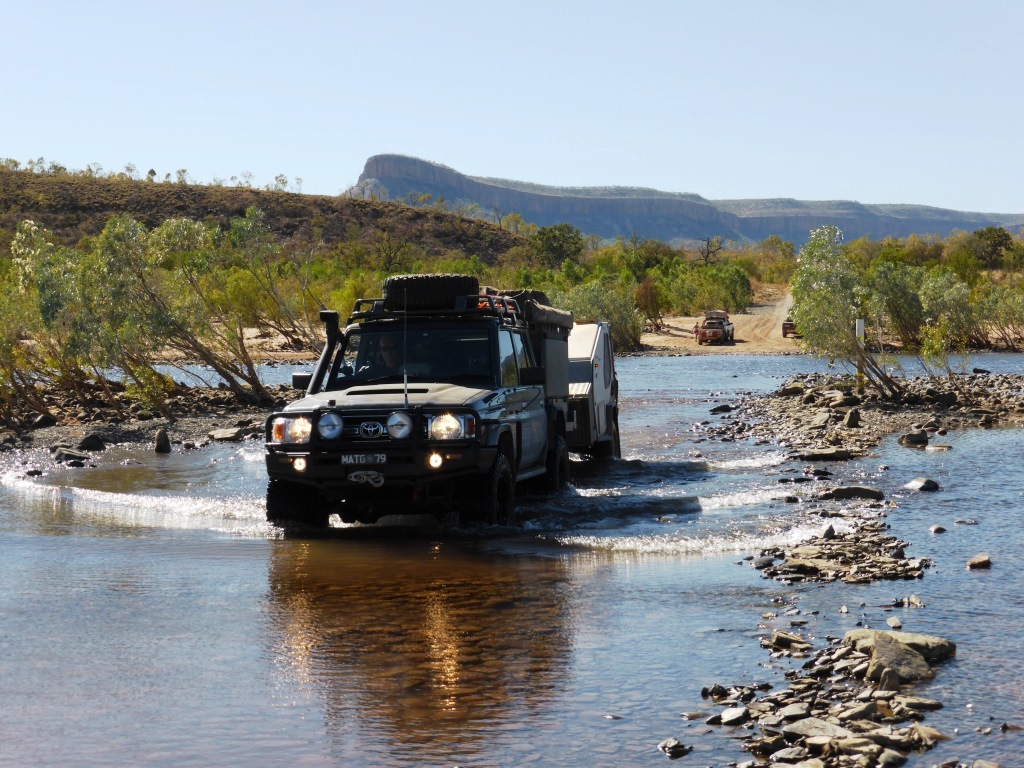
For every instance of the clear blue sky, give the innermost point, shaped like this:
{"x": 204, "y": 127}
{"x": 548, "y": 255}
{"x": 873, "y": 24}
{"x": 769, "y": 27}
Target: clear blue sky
{"x": 883, "y": 102}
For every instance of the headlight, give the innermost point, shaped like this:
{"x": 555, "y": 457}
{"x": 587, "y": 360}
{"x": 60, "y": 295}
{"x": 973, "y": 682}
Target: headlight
{"x": 399, "y": 425}
{"x": 329, "y": 426}
{"x": 291, "y": 430}
{"x": 446, "y": 427}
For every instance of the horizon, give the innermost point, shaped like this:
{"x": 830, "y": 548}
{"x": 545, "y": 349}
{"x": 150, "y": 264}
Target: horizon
{"x": 883, "y": 105}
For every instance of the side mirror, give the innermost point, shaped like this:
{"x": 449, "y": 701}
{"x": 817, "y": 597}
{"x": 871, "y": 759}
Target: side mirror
{"x": 301, "y": 380}
{"x": 531, "y": 377}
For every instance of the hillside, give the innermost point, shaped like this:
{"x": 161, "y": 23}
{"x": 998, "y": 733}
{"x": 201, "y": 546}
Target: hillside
{"x": 73, "y": 206}
{"x": 671, "y": 217}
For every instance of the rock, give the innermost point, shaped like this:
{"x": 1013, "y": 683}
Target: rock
{"x": 825, "y": 454}
{"x": 723, "y": 408}
{"x": 62, "y": 453}
{"x": 894, "y": 622}
{"x": 790, "y": 390}
{"x": 735, "y": 715}
{"x": 232, "y": 434}
{"x": 674, "y": 748}
{"x": 42, "y": 421}
{"x": 814, "y": 726}
{"x": 915, "y": 439}
{"x": 852, "y": 419}
{"x": 796, "y": 711}
{"x": 92, "y": 442}
{"x": 852, "y": 492}
{"x": 161, "y": 442}
{"x": 922, "y": 484}
{"x": 931, "y": 647}
{"x": 829, "y": 533}
{"x": 937, "y": 529}
{"x": 979, "y": 561}
{"x": 917, "y": 704}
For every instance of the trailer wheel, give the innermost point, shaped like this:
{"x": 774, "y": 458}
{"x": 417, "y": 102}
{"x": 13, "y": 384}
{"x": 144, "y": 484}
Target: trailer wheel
{"x": 498, "y": 500}
{"x": 427, "y": 291}
{"x": 290, "y": 503}
{"x": 609, "y": 449}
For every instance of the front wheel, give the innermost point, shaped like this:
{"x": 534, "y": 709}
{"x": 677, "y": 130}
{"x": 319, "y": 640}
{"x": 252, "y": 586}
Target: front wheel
{"x": 498, "y": 501}
{"x": 289, "y": 503}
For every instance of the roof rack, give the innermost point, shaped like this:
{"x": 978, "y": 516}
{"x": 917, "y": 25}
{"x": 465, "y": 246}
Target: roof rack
{"x": 501, "y": 307}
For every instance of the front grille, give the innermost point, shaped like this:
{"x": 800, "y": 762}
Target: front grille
{"x": 365, "y": 426}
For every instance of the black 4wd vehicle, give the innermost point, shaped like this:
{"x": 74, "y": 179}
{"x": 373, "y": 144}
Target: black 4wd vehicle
{"x": 435, "y": 398}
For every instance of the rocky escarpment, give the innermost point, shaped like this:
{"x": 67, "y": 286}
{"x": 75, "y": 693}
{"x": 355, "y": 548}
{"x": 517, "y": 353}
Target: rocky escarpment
{"x": 670, "y": 217}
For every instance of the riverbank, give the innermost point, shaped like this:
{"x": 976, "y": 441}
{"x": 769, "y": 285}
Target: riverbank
{"x": 851, "y": 700}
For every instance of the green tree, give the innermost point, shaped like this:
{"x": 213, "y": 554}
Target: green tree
{"x": 828, "y": 298}
{"x": 993, "y": 242}
{"x": 557, "y": 244}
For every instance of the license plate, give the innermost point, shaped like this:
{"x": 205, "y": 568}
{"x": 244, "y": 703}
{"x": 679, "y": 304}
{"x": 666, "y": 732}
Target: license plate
{"x": 364, "y": 458}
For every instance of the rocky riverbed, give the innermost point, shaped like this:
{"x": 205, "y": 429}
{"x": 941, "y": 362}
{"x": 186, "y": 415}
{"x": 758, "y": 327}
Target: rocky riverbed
{"x": 849, "y": 701}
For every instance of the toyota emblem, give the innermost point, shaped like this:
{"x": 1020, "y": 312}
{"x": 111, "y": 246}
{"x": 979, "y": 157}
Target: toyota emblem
{"x": 371, "y": 429}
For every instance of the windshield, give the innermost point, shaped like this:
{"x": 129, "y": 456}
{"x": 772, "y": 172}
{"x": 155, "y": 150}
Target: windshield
{"x": 455, "y": 355}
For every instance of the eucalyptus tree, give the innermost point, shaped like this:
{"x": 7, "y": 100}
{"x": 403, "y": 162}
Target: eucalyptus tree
{"x": 828, "y": 298}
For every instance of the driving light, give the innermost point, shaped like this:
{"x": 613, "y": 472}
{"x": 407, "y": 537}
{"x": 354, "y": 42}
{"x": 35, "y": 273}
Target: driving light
{"x": 291, "y": 430}
{"x": 446, "y": 427}
{"x": 399, "y": 425}
{"x": 435, "y": 460}
{"x": 299, "y": 464}
{"x": 329, "y": 426}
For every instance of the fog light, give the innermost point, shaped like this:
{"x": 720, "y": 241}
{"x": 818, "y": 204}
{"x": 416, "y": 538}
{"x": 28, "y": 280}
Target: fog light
{"x": 435, "y": 460}
{"x": 299, "y": 464}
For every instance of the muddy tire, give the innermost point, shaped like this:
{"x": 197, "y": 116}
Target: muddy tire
{"x": 609, "y": 449}
{"x": 427, "y": 291}
{"x": 497, "y": 503}
{"x": 557, "y": 465}
{"x": 294, "y": 504}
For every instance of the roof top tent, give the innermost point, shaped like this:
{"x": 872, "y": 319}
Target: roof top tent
{"x": 593, "y": 427}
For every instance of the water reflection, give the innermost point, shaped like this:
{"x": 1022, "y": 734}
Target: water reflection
{"x": 417, "y": 643}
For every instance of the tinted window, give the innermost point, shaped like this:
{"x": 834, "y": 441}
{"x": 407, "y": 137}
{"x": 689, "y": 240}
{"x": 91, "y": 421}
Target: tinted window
{"x": 507, "y": 359}
{"x": 458, "y": 355}
{"x": 522, "y": 356}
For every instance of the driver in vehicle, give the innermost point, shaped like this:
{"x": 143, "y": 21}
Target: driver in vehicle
{"x": 389, "y": 356}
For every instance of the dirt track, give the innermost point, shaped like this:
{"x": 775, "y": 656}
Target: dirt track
{"x": 758, "y": 332}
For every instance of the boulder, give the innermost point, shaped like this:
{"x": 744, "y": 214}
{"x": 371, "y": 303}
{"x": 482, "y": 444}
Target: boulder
{"x": 62, "y": 454}
{"x": 932, "y": 648}
{"x": 922, "y": 484}
{"x": 674, "y": 748}
{"x": 914, "y": 439}
{"x": 852, "y": 492}
{"x": 229, "y": 435}
{"x": 92, "y": 442}
{"x": 979, "y": 561}
{"x": 161, "y": 442}
{"x": 825, "y": 454}
{"x": 814, "y": 726}
{"x": 852, "y": 419}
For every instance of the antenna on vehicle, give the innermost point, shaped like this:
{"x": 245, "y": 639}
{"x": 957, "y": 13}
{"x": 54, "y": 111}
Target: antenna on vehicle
{"x": 405, "y": 344}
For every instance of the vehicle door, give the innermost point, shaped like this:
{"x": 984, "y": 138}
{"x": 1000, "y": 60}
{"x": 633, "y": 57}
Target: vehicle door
{"x": 516, "y": 400}
{"x": 534, "y": 412}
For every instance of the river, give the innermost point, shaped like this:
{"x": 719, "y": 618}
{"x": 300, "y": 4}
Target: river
{"x": 150, "y": 616}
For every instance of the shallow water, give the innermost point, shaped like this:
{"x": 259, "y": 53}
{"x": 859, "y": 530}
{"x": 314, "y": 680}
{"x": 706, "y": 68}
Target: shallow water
{"x": 149, "y": 615}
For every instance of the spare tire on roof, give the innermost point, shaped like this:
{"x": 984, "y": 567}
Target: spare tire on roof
{"x": 412, "y": 292}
